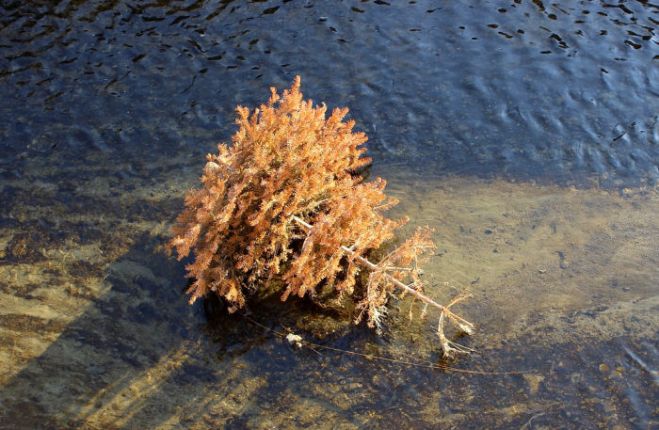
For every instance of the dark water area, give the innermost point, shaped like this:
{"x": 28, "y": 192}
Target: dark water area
{"x": 525, "y": 132}
{"x": 561, "y": 91}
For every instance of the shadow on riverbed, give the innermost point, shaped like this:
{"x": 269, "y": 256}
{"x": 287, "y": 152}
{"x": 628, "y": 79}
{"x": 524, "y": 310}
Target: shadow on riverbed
{"x": 141, "y": 322}
{"x": 140, "y": 357}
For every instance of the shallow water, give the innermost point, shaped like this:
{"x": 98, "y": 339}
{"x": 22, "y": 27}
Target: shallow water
{"x": 524, "y": 132}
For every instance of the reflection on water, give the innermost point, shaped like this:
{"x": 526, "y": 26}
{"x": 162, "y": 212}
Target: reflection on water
{"x": 107, "y": 109}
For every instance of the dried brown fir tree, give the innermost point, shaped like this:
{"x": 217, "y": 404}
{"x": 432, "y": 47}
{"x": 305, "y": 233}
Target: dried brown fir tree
{"x": 284, "y": 203}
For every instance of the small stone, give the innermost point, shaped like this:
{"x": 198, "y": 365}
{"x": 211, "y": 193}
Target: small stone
{"x": 294, "y": 340}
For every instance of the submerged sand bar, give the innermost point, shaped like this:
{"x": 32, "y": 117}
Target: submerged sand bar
{"x": 95, "y": 332}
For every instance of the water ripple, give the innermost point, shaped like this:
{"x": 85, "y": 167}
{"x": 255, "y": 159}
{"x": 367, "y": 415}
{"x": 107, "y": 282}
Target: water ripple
{"x": 529, "y": 90}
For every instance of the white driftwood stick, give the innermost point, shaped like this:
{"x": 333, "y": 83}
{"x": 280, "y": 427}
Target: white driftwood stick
{"x": 465, "y": 325}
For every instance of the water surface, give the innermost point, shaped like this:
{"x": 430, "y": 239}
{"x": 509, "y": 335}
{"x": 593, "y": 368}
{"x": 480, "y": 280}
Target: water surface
{"x": 524, "y": 132}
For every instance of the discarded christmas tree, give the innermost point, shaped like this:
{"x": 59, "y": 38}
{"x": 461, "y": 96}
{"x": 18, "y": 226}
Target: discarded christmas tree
{"x": 285, "y": 204}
